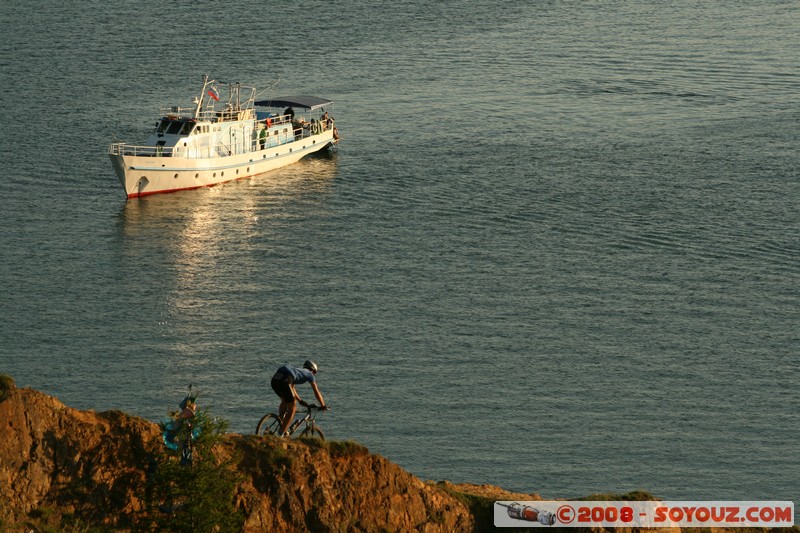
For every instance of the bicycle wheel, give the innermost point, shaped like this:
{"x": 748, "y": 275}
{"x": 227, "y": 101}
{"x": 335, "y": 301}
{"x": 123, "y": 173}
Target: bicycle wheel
{"x": 312, "y": 433}
{"x": 268, "y": 425}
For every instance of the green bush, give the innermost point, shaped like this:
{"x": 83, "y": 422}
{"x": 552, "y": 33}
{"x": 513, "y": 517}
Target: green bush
{"x": 196, "y": 496}
{"x": 7, "y": 386}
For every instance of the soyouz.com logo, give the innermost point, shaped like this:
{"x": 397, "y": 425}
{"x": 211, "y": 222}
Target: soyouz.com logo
{"x": 643, "y": 514}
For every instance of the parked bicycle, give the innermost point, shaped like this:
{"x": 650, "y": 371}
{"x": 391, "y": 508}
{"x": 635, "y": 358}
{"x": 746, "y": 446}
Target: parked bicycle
{"x": 180, "y": 431}
{"x": 270, "y": 424}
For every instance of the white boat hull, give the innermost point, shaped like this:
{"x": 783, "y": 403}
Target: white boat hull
{"x": 146, "y": 175}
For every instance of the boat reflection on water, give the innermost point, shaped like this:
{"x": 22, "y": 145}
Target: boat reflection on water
{"x": 192, "y": 254}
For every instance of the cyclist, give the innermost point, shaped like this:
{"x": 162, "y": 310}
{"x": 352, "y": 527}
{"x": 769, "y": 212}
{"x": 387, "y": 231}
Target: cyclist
{"x": 283, "y": 383}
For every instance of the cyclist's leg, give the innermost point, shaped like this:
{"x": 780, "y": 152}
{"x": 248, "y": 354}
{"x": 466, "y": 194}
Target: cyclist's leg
{"x": 287, "y": 409}
{"x": 288, "y": 416}
{"x": 282, "y": 413}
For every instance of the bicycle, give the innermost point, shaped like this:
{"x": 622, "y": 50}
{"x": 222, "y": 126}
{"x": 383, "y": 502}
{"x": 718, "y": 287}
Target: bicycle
{"x": 182, "y": 429}
{"x": 270, "y": 423}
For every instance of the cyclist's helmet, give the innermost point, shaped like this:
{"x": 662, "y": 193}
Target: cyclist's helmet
{"x": 311, "y": 365}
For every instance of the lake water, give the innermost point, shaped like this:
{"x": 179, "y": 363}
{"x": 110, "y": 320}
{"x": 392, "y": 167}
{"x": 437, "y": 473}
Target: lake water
{"x": 558, "y": 250}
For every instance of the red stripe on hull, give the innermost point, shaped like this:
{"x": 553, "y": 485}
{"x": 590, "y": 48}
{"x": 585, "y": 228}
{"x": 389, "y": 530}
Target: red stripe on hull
{"x": 168, "y": 191}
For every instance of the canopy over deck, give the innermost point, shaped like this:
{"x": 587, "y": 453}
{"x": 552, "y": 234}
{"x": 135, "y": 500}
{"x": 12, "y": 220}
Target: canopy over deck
{"x": 303, "y": 102}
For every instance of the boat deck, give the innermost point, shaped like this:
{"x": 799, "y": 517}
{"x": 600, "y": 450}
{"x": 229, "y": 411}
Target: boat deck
{"x": 280, "y": 131}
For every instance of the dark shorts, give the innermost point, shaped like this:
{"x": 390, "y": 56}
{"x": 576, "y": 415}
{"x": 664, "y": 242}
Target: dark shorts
{"x": 281, "y": 385}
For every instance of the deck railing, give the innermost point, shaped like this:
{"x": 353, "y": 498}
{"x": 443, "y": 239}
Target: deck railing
{"x": 209, "y": 152}
{"x": 222, "y": 115}
{"x": 210, "y": 115}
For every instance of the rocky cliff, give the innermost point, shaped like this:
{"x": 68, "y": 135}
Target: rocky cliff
{"x": 61, "y": 468}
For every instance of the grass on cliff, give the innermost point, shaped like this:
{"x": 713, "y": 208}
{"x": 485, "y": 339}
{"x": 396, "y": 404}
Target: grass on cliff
{"x": 337, "y": 448}
{"x": 276, "y": 459}
{"x": 7, "y": 386}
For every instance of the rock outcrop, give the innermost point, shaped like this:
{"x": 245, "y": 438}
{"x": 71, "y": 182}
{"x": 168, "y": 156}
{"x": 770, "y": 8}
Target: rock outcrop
{"x": 297, "y": 485}
{"x": 58, "y": 460}
{"x": 62, "y": 469}
{"x": 59, "y": 465}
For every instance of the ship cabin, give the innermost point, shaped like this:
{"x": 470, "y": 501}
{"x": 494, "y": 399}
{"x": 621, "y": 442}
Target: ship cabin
{"x": 209, "y": 133}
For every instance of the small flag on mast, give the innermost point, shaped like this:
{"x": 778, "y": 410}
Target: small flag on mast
{"x": 213, "y": 93}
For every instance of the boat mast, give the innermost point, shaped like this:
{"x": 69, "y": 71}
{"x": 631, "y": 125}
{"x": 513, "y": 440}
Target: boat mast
{"x": 202, "y": 95}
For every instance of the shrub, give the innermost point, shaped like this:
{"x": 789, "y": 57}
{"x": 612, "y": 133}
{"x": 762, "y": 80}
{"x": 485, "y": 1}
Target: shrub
{"x": 7, "y": 386}
{"x": 197, "y": 495}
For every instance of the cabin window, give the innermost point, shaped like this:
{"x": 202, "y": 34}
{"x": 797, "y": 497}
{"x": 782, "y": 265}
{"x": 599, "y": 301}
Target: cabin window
{"x": 187, "y": 128}
{"x": 161, "y": 127}
{"x": 174, "y": 127}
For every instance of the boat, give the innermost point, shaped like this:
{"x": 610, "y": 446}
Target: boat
{"x": 218, "y": 140}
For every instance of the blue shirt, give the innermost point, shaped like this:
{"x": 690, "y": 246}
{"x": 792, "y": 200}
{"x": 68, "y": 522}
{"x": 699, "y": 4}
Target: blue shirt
{"x": 299, "y": 375}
